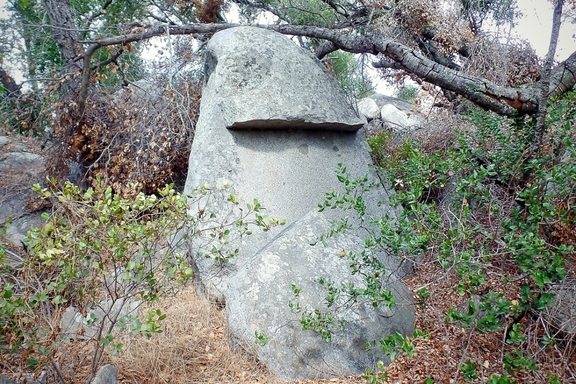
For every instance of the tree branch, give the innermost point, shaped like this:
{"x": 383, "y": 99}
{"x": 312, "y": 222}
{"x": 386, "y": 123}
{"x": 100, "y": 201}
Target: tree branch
{"x": 502, "y": 100}
{"x": 154, "y": 31}
{"x": 339, "y": 8}
{"x": 563, "y": 76}
{"x": 325, "y": 48}
{"x": 100, "y": 12}
{"x": 12, "y": 89}
{"x": 111, "y": 59}
{"x": 544, "y": 94}
{"x": 433, "y": 53}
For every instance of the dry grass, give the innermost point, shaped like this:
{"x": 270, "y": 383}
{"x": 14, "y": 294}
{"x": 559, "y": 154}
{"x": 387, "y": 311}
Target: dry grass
{"x": 192, "y": 349}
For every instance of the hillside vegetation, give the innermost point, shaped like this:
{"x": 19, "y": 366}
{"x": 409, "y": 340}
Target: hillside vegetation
{"x": 487, "y": 192}
{"x": 490, "y": 232}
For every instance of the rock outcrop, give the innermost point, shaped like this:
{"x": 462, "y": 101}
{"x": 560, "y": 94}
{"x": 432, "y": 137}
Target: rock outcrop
{"x": 275, "y": 124}
{"x": 390, "y": 113}
{"x": 20, "y": 168}
{"x": 562, "y": 316}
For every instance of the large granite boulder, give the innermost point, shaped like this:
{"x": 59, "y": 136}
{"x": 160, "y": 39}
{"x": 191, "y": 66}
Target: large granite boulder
{"x": 258, "y": 297}
{"x": 288, "y": 170}
{"x": 275, "y": 125}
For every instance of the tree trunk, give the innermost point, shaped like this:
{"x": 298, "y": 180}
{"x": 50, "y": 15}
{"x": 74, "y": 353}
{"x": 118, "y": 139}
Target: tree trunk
{"x": 545, "y": 79}
{"x": 67, "y": 37}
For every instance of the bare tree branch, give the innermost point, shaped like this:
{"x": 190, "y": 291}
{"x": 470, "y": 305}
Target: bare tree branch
{"x": 502, "y": 100}
{"x": 99, "y": 13}
{"x": 563, "y": 76}
{"x": 339, "y": 8}
{"x": 12, "y": 89}
{"x": 111, "y": 59}
{"x": 157, "y": 30}
{"x": 545, "y": 80}
{"x": 326, "y": 48}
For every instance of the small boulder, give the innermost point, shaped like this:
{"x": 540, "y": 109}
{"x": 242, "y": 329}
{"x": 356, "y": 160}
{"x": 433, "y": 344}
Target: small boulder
{"x": 73, "y": 323}
{"x": 106, "y": 375}
{"x": 399, "y": 121}
{"x": 368, "y": 108}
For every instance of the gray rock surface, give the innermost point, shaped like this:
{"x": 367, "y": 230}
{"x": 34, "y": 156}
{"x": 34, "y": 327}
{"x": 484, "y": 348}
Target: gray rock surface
{"x": 289, "y": 172}
{"x": 289, "y": 166}
{"x": 20, "y": 168}
{"x": 15, "y": 155}
{"x": 25, "y": 378}
{"x": 106, "y": 375}
{"x": 369, "y": 109}
{"x": 5, "y": 380}
{"x": 73, "y": 324}
{"x": 562, "y": 316}
{"x": 259, "y": 295}
{"x": 273, "y": 84}
{"x": 18, "y": 229}
{"x": 400, "y": 121}
{"x": 19, "y": 159}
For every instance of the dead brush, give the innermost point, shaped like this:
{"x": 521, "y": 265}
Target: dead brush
{"x": 192, "y": 349}
{"x": 141, "y": 135}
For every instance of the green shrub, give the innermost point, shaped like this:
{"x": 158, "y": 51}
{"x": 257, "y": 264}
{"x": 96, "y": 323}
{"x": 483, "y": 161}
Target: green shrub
{"x": 408, "y": 93}
{"x": 98, "y": 250}
{"x": 481, "y": 204}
